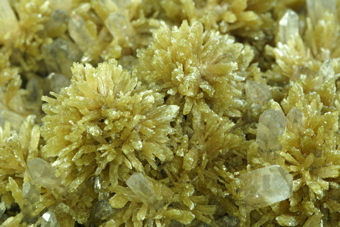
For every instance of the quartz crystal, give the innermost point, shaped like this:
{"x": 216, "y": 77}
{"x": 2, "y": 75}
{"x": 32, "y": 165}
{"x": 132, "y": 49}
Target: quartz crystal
{"x": 30, "y": 196}
{"x": 325, "y": 72}
{"x": 79, "y": 32}
{"x": 8, "y": 21}
{"x": 119, "y": 26}
{"x": 317, "y": 8}
{"x": 57, "y": 82}
{"x": 2, "y": 208}
{"x": 43, "y": 173}
{"x": 49, "y": 219}
{"x": 272, "y": 123}
{"x": 143, "y": 189}
{"x": 60, "y": 55}
{"x": 257, "y": 93}
{"x": 102, "y": 210}
{"x": 265, "y": 186}
{"x": 122, "y": 3}
{"x": 57, "y": 23}
{"x": 295, "y": 121}
{"x": 288, "y": 26}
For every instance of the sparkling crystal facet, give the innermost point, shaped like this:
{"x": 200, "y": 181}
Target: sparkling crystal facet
{"x": 30, "y": 195}
{"x": 102, "y": 210}
{"x": 317, "y": 8}
{"x": 265, "y": 186}
{"x": 288, "y": 26}
{"x": 79, "y": 32}
{"x": 326, "y": 71}
{"x": 49, "y": 219}
{"x": 56, "y": 25}
{"x": 295, "y": 121}
{"x": 8, "y": 21}
{"x": 142, "y": 188}
{"x": 58, "y": 81}
{"x": 257, "y": 93}
{"x": 272, "y": 123}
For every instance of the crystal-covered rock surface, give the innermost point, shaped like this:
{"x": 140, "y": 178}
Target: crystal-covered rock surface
{"x": 142, "y": 188}
{"x": 288, "y": 26}
{"x": 30, "y": 196}
{"x": 257, "y": 93}
{"x": 272, "y": 123}
{"x": 8, "y": 21}
{"x": 265, "y": 186}
{"x": 119, "y": 26}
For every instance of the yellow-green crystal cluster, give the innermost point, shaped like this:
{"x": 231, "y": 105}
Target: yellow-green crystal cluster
{"x": 175, "y": 113}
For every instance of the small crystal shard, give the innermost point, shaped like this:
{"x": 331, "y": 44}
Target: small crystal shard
{"x": 272, "y": 123}
{"x": 43, "y": 173}
{"x": 325, "y": 72}
{"x": 8, "y": 21}
{"x": 288, "y": 26}
{"x": 317, "y": 8}
{"x": 30, "y": 195}
{"x": 102, "y": 210}
{"x": 265, "y": 186}
{"x": 49, "y": 219}
{"x": 142, "y": 188}
{"x": 57, "y": 82}
{"x": 60, "y": 55}
{"x": 228, "y": 221}
{"x": 79, "y": 32}
{"x": 57, "y": 23}
{"x": 119, "y": 26}
{"x": 295, "y": 121}
{"x": 257, "y": 93}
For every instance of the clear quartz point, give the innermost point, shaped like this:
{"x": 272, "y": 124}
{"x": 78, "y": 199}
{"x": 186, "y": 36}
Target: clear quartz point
{"x": 43, "y": 173}
{"x": 57, "y": 82}
{"x": 102, "y": 210}
{"x": 49, "y": 219}
{"x": 142, "y": 188}
{"x": 317, "y": 8}
{"x": 30, "y": 196}
{"x": 119, "y": 26}
{"x": 257, "y": 93}
{"x": 272, "y": 123}
{"x": 326, "y": 71}
{"x": 79, "y": 32}
{"x": 265, "y": 186}
{"x": 295, "y": 121}
{"x": 56, "y": 25}
{"x": 288, "y": 26}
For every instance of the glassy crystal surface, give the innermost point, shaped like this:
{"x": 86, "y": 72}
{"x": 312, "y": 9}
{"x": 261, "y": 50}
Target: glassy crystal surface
{"x": 79, "y": 32}
{"x": 272, "y": 123}
{"x": 265, "y": 186}
{"x": 43, "y": 173}
{"x": 142, "y": 188}
{"x": 49, "y": 219}
{"x": 58, "y": 81}
{"x": 102, "y": 210}
{"x": 119, "y": 26}
{"x": 2, "y": 208}
{"x": 326, "y": 71}
{"x": 60, "y": 55}
{"x": 8, "y": 21}
{"x": 30, "y": 196}
{"x": 288, "y": 26}
{"x": 257, "y": 93}
{"x": 317, "y": 8}
{"x": 295, "y": 121}
{"x": 56, "y": 25}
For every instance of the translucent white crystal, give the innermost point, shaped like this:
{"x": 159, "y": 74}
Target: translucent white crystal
{"x": 119, "y": 26}
{"x": 56, "y": 25}
{"x": 43, "y": 173}
{"x": 288, "y": 26}
{"x": 58, "y": 81}
{"x": 295, "y": 121}
{"x": 2, "y": 208}
{"x": 30, "y": 195}
{"x": 49, "y": 219}
{"x": 102, "y": 210}
{"x": 122, "y": 3}
{"x": 79, "y": 32}
{"x": 317, "y": 8}
{"x": 8, "y": 21}
{"x": 265, "y": 186}
{"x": 326, "y": 71}
{"x": 60, "y": 55}
{"x": 257, "y": 93}
{"x": 142, "y": 188}
{"x": 127, "y": 62}
{"x": 272, "y": 123}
